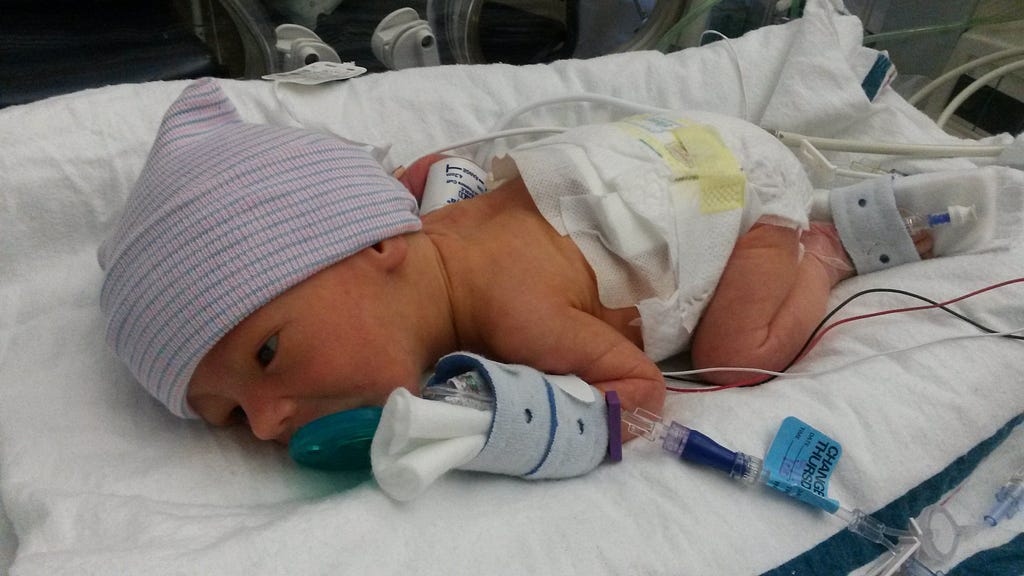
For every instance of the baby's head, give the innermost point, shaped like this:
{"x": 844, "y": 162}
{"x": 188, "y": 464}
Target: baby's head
{"x": 225, "y": 218}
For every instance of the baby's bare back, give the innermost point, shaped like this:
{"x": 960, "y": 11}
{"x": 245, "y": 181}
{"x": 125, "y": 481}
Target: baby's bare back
{"x": 523, "y": 293}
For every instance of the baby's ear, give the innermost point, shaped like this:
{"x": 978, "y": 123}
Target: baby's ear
{"x": 389, "y": 253}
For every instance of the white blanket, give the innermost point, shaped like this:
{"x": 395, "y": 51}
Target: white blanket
{"x": 97, "y": 478}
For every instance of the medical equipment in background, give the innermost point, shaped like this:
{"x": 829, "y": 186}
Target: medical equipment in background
{"x": 242, "y": 32}
{"x": 403, "y": 40}
{"x": 247, "y": 42}
{"x": 532, "y": 31}
{"x": 299, "y": 46}
{"x": 885, "y": 23}
{"x": 947, "y": 46}
{"x": 981, "y": 91}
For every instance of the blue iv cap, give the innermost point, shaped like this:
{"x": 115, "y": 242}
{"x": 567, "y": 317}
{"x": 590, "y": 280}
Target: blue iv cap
{"x": 339, "y": 441}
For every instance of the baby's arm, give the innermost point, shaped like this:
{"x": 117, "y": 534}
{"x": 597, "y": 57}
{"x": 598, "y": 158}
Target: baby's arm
{"x": 564, "y": 340}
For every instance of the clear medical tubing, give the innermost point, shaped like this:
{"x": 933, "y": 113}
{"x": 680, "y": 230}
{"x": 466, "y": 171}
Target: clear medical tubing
{"x": 911, "y": 32}
{"x": 669, "y": 40}
{"x": 954, "y": 215}
{"x": 468, "y": 389}
{"x": 693, "y": 446}
{"x": 1008, "y": 499}
{"x": 793, "y": 139}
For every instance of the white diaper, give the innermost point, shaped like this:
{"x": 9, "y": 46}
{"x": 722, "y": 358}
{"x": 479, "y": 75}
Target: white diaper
{"x": 655, "y": 204}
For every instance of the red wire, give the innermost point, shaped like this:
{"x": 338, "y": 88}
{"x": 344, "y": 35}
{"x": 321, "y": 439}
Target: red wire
{"x": 821, "y": 333}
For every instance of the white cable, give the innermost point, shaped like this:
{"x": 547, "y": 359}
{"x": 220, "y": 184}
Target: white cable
{"x": 847, "y": 173}
{"x": 739, "y": 70}
{"x": 956, "y": 72}
{"x": 841, "y": 366}
{"x": 484, "y": 152}
{"x": 974, "y": 87}
{"x": 788, "y": 138}
{"x": 793, "y": 139}
{"x": 498, "y": 134}
{"x": 577, "y": 97}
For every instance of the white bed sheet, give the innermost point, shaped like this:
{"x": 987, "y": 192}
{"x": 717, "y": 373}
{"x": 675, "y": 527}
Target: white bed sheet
{"x": 96, "y": 478}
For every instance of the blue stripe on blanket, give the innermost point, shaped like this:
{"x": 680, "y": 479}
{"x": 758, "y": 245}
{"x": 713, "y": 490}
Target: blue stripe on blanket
{"x": 881, "y": 73}
{"x": 1005, "y": 560}
{"x": 846, "y": 551}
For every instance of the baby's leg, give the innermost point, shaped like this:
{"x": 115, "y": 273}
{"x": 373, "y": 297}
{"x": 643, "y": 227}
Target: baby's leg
{"x": 771, "y": 296}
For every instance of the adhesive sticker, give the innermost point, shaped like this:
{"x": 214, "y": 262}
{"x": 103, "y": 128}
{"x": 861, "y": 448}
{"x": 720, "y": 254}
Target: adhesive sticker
{"x": 722, "y": 182}
{"x": 318, "y": 73}
{"x": 800, "y": 462}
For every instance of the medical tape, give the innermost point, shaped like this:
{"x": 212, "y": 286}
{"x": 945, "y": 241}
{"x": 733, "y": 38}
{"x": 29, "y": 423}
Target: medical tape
{"x": 693, "y": 152}
{"x": 722, "y": 182}
{"x": 655, "y": 132}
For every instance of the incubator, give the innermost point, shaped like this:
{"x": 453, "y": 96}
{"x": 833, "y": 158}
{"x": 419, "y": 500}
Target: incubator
{"x": 393, "y": 34}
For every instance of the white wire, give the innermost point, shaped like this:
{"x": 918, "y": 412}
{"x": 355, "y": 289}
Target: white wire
{"x": 956, "y": 72}
{"x": 788, "y": 138}
{"x": 793, "y": 139}
{"x": 484, "y": 152}
{"x": 576, "y": 97}
{"x": 498, "y": 134}
{"x": 974, "y": 87}
{"x": 739, "y": 70}
{"x": 841, "y": 366}
{"x": 847, "y": 173}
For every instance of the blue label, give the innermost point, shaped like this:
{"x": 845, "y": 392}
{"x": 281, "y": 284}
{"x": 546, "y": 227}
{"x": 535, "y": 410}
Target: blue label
{"x": 800, "y": 462}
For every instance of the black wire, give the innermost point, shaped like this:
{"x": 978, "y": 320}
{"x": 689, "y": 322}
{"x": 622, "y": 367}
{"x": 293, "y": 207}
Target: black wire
{"x": 842, "y": 305}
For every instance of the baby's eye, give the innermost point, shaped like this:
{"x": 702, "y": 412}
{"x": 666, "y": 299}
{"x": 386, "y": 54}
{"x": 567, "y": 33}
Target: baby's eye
{"x": 265, "y": 355}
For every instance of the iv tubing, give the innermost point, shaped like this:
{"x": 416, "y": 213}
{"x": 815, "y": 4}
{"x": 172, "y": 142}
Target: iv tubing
{"x": 974, "y": 87}
{"x": 919, "y": 150}
{"x": 956, "y": 72}
{"x": 498, "y": 134}
{"x": 500, "y": 126}
{"x": 791, "y": 139}
{"x": 669, "y": 39}
{"x": 910, "y": 32}
{"x": 572, "y": 98}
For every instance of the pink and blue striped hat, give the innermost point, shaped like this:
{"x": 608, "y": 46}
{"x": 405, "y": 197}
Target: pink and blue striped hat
{"x": 225, "y": 216}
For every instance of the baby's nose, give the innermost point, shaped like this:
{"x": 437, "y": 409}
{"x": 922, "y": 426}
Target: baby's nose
{"x": 270, "y": 419}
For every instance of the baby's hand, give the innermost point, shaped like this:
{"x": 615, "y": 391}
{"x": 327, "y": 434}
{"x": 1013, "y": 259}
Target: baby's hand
{"x": 414, "y": 177}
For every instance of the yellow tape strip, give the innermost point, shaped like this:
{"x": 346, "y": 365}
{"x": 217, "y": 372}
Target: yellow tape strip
{"x": 670, "y": 151}
{"x": 722, "y": 182}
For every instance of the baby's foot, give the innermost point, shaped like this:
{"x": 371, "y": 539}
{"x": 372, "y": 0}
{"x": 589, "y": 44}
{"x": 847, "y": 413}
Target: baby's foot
{"x": 822, "y": 242}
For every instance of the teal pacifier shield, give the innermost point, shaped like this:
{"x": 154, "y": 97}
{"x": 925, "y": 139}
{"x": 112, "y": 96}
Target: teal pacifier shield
{"x": 339, "y": 441}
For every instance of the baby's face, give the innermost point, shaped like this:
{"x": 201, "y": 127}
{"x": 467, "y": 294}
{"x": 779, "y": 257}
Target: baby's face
{"x": 325, "y": 345}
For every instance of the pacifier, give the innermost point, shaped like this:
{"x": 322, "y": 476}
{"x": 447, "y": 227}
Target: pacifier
{"x": 339, "y": 441}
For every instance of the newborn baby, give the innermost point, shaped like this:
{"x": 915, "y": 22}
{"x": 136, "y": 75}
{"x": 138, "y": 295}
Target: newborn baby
{"x": 273, "y": 275}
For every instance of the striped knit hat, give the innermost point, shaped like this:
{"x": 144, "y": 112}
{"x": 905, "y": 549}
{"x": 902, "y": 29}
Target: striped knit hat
{"x": 225, "y": 216}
